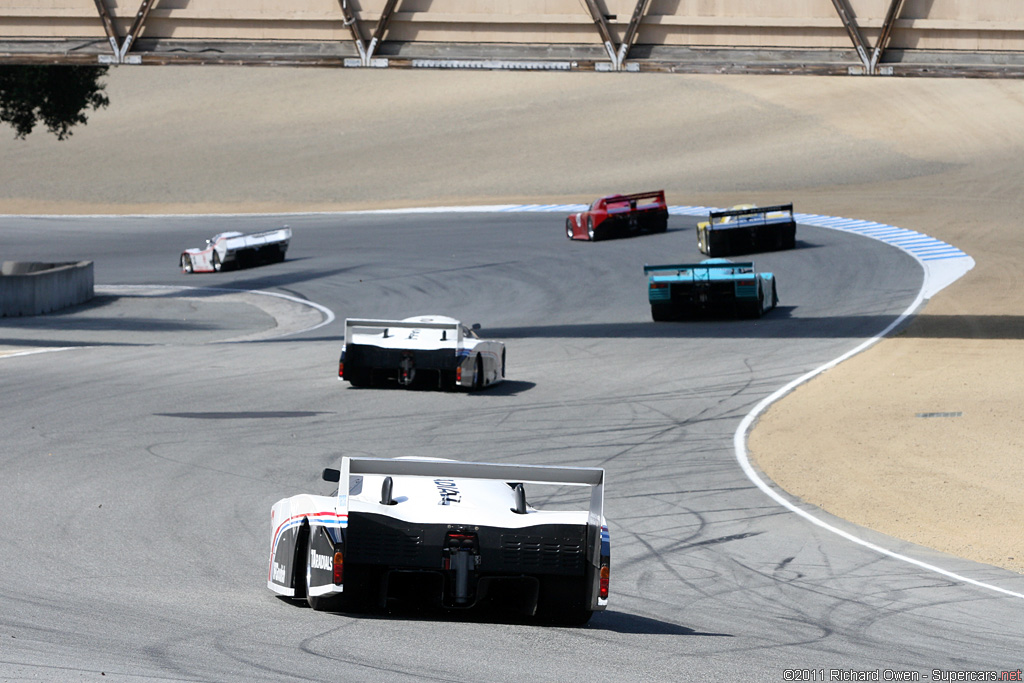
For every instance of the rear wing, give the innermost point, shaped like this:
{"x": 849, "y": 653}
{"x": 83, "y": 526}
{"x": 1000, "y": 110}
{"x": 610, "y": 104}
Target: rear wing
{"x": 755, "y": 213}
{"x": 680, "y": 267}
{"x": 450, "y": 332}
{"x": 259, "y": 238}
{"x": 282, "y": 233}
{"x": 633, "y": 202}
{"x": 526, "y": 474}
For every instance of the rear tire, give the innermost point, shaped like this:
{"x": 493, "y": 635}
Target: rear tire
{"x": 562, "y": 601}
{"x": 660, "y": 313}
{"x": 358, "y": 378}
{"x": 317, "y": 603}
{"x": 478, "y": 373}
{"x": 757, "y": 307}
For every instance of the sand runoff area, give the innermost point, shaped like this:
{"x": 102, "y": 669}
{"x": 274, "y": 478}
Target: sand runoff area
{"x": 941, "y": 156}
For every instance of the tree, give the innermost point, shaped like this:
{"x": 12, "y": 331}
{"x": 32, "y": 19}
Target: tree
{"x": 57, "y": 96}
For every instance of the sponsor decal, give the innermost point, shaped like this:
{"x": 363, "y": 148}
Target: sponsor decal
{"x": 278, "y": 574}
{"x": 448, "y": 490}
{"x": 318, "y": 561}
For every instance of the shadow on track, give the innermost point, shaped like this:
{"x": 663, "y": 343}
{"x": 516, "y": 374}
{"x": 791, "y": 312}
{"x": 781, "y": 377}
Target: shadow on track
{"x": 616, "y": 622}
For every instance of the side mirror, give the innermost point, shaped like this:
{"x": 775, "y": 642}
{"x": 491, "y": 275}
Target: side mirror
{"x": 476, "y": 326}
{"x": 331, "y": 474}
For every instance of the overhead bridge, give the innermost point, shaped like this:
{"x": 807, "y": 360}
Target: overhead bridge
{"x": 857, "y": 37}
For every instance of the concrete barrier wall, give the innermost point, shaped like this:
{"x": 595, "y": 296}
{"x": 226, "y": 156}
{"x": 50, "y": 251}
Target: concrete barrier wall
{"x": 969, "y": 25}
{"x": 28, "y": 288}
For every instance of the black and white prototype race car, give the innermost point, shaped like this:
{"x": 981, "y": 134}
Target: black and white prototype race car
{"x": 444, "y": 534}
{"x": 426, "y": 350}
{"x": 236, "y": 250}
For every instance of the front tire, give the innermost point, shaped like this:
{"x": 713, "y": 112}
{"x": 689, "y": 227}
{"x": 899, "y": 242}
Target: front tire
{"x": 590, "y": 229}
{"x": 186, "y": 263}
{"x": 217, "y": 265}
{"x": 568, "y": 228}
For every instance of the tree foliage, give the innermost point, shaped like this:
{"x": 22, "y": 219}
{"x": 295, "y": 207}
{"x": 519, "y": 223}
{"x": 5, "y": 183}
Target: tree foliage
{"x": 57, "y": 96}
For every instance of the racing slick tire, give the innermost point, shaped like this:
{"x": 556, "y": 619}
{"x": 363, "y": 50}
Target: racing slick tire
{"x": 447, "y": 381}
{"x": 661, "y": 312}
{"x": 503, "y": 363}
{"x": 562, "y": 601}
{"x": 186, "y": 264}
{"x": 568, "y": 228}
{"x": 591, "y": 233}
{"x": 478, "y": 373}
{"x": 756, "y": 308}
{"x": 217, "y": 265}
{"x": 317, "y": 603}
{"x": 359, "y": 593}
{"x": 359, "y": 378}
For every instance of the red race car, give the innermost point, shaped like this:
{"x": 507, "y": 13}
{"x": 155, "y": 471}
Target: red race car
{"x": 619, "y": 215}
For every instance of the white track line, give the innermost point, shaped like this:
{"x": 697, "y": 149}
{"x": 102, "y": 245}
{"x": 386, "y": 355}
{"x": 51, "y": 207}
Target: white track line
{"x": 326, "y": 312}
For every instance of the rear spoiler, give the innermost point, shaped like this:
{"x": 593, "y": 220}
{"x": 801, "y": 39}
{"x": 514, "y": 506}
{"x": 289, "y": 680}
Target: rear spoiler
{"x": 263, "y": 234}
{"x": 633, "y": 199}
{"x": 526, "y": 474}
{"x": 655, "y": 194}
{"x": 698, "y": 266}
{"x": 752, "y": 212}
{"x": 386, "y": 325}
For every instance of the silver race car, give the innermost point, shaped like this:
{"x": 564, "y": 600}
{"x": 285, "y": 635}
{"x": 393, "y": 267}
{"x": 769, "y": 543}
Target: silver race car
{"x": 428, "y": 350}
{"x": 444, "y": 534}
{"x": 236, "y": 250}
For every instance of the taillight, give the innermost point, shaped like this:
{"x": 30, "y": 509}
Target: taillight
{"x": 458, "y": 374}
{"x": 460, "y": 541}
{"x": 339, "y": 568}
{"x": 746, "y": 283}
{"x": 341, "y": 369}
{"x": 659, "y": 285}
{"x": 605, "y": 573}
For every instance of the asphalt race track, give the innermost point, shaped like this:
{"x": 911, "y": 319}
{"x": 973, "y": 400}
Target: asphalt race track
{"x": 140, "y": 463}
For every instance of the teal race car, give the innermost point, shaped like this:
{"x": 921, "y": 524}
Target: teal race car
{"x": 713, "y": 287}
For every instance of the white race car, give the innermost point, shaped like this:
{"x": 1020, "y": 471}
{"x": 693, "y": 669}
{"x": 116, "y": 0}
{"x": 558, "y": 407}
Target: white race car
{"x": 444, "y": 534}
{"x": 429, "y": 350}
{"x": 237, "y": 250}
